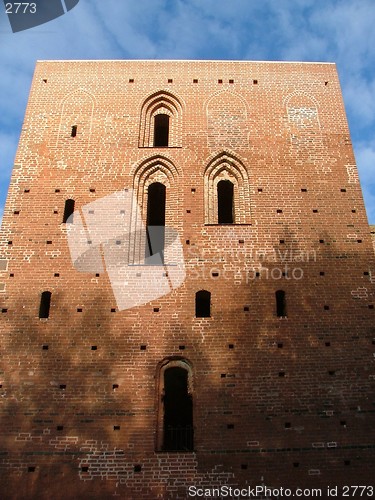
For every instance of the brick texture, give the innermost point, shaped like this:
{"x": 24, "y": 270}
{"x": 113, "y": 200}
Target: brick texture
{"x": 282, "y": 401}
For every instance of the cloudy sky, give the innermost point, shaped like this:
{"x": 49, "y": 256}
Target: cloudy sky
{"x": 341, "y": 31}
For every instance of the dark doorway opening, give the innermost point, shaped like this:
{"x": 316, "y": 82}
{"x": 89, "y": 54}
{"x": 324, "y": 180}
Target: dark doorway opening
{"x": 178, "y": 411}
{"x": 280, "y": 304}
{"x": 203, "y": 304}
{"x": 225, "y": 202}
{"x": 155, "y": 230}
{"x": 161, "y": 131}
{"x": 45, "y": 304}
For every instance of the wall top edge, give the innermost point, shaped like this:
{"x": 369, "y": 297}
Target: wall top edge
{"x": 223, "y": 61}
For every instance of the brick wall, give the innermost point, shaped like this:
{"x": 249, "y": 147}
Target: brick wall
{"x": 281, "y": 401}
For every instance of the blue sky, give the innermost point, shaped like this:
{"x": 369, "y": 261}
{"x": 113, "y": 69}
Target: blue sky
{"x": 340, "y": 31}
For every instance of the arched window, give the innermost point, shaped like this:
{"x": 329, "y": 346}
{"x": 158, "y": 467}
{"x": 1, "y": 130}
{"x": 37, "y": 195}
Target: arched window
{"x": 155, "y": 230}
{"x": 45, "y": 303}
{"x": 203, "y": 304}
{"x": 178, "y": 411}
{"x": 68, "y": 211}
{"x": 175, "y": 431}
{"x": 280, "y": 304}
{"x": 161, "y": 130}
{"x": 161, "y": 121}
{"x": 226, "y": 190}
{"x": 225, "y": 202}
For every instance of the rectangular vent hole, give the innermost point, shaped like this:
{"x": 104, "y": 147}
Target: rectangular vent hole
{"x": 143, "y": 347}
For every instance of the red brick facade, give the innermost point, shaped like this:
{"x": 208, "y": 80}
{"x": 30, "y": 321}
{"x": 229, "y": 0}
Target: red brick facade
{"x": 281, "y": 396}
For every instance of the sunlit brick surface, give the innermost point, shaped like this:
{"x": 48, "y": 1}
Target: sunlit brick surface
{"x": 282, "y": 401}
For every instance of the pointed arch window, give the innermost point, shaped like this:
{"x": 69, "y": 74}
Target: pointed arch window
{"x": 175, "y": 412}
{"x": 226, "y": 190}
{"x": 161, "y": 121}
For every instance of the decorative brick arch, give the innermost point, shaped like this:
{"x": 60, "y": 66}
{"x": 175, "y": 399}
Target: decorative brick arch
{"x": 226, "y": 166}
{"x": 161, "y": 102}
{"x": 158, "y": 168}
{"x": 171, "y": 362}
{"x": 77, "y": 109}
{"x": 302, "y": 110}
{"x": 227, "y": 121}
